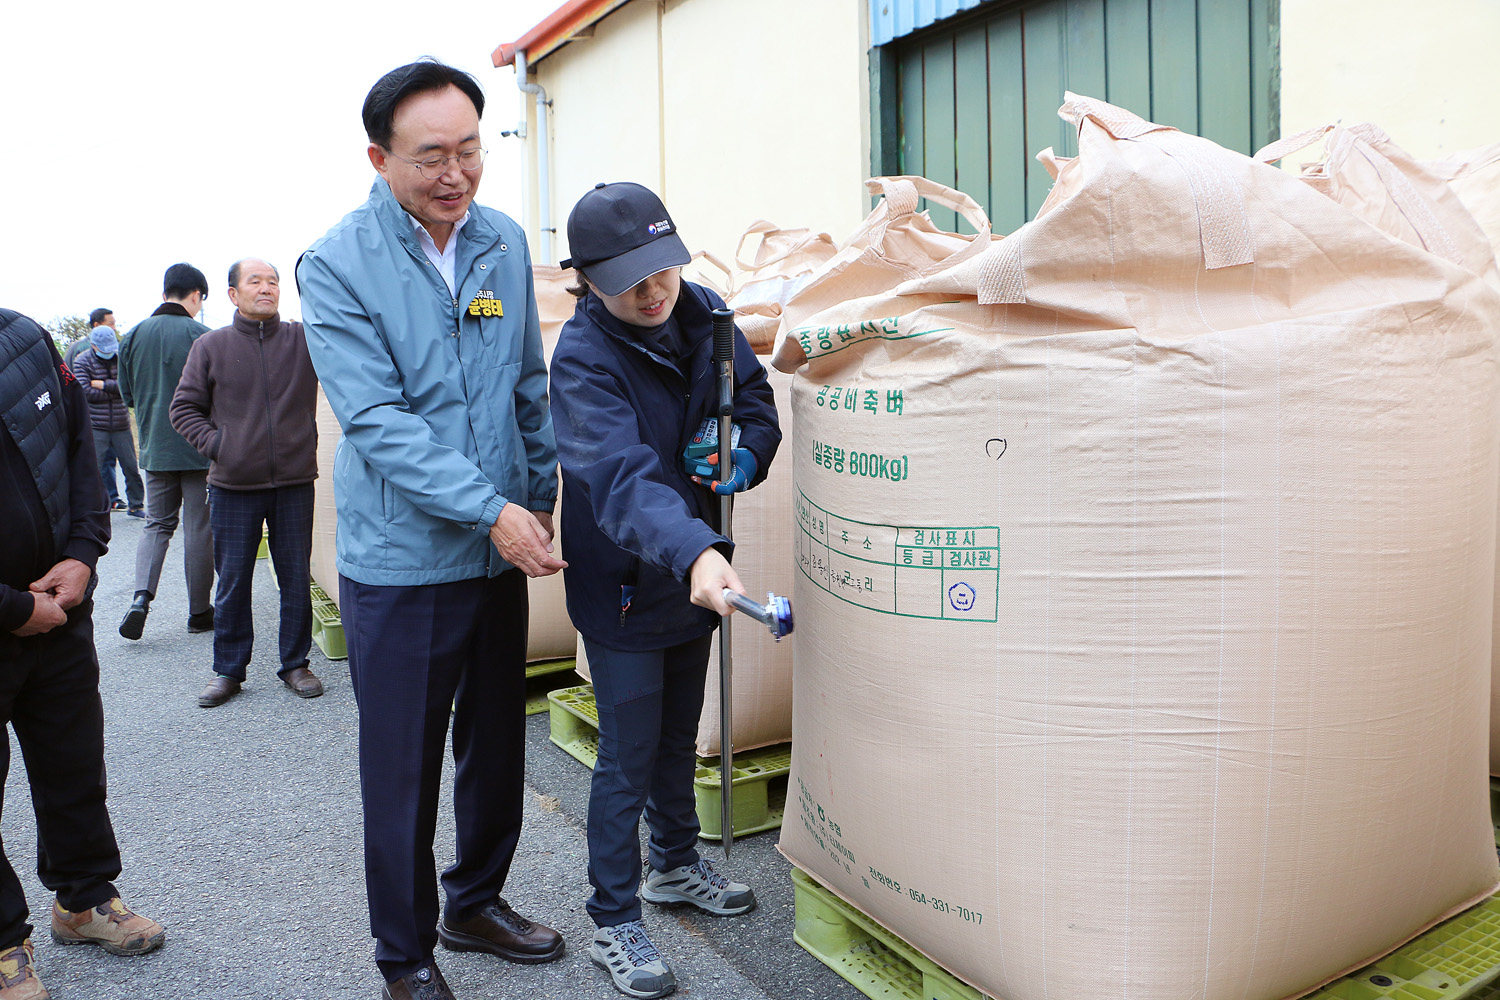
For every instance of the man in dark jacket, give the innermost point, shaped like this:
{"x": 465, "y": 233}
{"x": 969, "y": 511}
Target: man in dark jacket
{"x": 247, "y": 401}
{"x": 151, "y": 361}
{"x": 56, "y": 528}
{"x": 97, "y": 369}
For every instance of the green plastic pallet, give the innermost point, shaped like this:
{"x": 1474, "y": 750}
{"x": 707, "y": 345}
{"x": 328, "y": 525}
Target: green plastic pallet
{"x": 328, "y": 630}
{"x": 759, "y": 776}
{"x": 1457, "y": 960}
{"x": 544, "y": 677}
{"x": 878, "y": 963}
{"x": 575, "y": 722}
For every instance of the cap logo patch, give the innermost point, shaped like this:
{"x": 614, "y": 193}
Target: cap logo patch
{"x": 660, "y": 228}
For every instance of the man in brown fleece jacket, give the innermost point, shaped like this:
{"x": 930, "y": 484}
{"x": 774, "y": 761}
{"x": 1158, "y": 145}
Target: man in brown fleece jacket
{"x": 246, "y": 401}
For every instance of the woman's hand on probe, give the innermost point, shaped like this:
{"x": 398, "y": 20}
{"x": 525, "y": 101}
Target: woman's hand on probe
{"x": 709, "y": 576}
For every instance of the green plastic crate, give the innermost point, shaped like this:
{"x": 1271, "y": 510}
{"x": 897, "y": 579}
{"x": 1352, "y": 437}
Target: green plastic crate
{"x": 878, "y": 963}
{"x": 760, "y": 776}
{"x": 574, "y": 722}
{"x": 545, "y": 676}
{"x": 328, "y": 630}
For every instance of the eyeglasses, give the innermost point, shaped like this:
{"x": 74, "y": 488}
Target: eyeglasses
{"x": 437, "y": 166}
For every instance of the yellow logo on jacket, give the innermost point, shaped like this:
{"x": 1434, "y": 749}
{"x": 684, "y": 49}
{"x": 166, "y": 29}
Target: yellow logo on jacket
{"x": 485, "y": 304}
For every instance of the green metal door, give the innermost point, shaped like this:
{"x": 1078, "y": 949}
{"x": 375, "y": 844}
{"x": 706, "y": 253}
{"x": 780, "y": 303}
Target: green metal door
{"x": 970, "y": 102}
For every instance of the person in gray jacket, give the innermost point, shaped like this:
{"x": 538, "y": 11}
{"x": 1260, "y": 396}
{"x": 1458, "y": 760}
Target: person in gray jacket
{"x": 151, "y": 360}
{"x": 246, "y": 401}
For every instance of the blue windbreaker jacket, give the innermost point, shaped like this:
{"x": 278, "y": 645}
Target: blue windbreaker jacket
{"x": 442, "y": 399}
{"x": 632, "y": 520}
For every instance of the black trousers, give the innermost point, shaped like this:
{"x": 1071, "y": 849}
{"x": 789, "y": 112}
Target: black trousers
{"x": 49, "y": 694}
{"x": 238, "y": 518}
{"x": 414, "y": 652}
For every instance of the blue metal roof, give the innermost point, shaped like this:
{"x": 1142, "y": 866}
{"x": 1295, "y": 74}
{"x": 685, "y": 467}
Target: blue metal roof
{"x": 890, "y": 19}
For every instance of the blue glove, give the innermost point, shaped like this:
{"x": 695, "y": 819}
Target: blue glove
{"x": 743, "y": 473}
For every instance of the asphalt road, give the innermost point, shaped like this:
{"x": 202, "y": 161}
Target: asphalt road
{"x": 240, "y": 831}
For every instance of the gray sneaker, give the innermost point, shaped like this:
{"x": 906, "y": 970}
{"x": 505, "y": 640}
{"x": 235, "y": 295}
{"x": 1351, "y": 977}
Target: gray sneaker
{"x": 632, "y": 961}
{"x": 701, "y": 886}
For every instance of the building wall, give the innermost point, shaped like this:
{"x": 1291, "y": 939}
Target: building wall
{"x": 732, "y": 111}
{"x": 1425, "y": 73}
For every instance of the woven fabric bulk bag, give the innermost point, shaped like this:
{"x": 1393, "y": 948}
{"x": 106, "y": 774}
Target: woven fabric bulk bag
{"x": 1145, "y": 587}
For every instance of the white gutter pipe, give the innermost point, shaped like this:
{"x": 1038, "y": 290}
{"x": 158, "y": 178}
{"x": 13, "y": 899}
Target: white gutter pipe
{"x": 544, "y": 183}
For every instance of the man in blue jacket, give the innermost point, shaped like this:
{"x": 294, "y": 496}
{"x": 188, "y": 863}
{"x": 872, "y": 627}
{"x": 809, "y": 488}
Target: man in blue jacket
{"x": 422, "y": 325}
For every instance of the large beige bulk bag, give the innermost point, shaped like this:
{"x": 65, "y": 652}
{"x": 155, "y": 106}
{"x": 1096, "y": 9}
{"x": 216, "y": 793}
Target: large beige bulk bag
{"x": 784, "y": 261}
{"x": 895, "y": 243}
{"x": 1475, "y": 178}
{"x": 549, "y": 631}
{"x": 1377, "y": 180}
{"x": 765, "y": 532}
{"x": 325, "y": 571}
{"x": 1449, "y": 207}
{"x": 1144, "y": 621}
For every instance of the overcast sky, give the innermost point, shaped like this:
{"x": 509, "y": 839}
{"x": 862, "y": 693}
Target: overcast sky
{"x": 138, "y": 135}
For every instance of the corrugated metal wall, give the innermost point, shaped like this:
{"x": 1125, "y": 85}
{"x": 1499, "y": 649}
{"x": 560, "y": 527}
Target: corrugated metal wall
{"x": 890, "y": 19}
{"x": 974, "y": 103}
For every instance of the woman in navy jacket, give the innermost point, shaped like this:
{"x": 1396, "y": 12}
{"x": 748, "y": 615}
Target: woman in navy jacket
{"x": 632, "y": 380}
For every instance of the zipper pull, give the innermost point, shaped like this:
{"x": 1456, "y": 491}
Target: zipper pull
{"x": 626, "y": 593}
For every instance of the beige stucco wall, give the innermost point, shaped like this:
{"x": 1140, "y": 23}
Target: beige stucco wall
{"x": 1425, "y": 73}
{"x": 732, "y": 111}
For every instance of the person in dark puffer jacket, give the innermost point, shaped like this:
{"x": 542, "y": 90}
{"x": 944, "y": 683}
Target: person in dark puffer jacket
{"x": 55, "y": 529}
{"x": 97, "y": 368}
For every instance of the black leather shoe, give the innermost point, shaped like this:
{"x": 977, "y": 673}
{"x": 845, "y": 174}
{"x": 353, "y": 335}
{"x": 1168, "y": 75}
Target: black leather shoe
{"x": 203, "y": 621}
{"x": 219, "y": 690}
{"x": 135, "y": 619}
{"x": 502, "y": 931}
{"x": 425, "y": 984}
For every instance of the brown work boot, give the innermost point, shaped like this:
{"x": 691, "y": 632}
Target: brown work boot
{"x": 426, "y": 983}
{"x": 112, "y": 926}
{"x": 303, "y": 682}
{"x": 219, "y": 690}
{"x": 18, "y": 979}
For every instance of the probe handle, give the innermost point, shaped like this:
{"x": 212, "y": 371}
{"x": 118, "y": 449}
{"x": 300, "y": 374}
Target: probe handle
{"x": 775, "y": 614}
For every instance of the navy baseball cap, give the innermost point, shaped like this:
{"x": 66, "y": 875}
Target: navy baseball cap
{"x": 621, "y": 234}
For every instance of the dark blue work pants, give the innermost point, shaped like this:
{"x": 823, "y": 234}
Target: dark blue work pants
{"x": 649, "y": 704}
{"x": 49, "y": 694}
{"x": 414, "y": 652}
{"x": 239, "y": 519}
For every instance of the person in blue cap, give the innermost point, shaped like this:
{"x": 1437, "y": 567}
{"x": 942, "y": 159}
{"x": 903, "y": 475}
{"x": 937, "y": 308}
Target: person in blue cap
{"x": 632, "y": 380}
{"x": 97, "y": 368}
